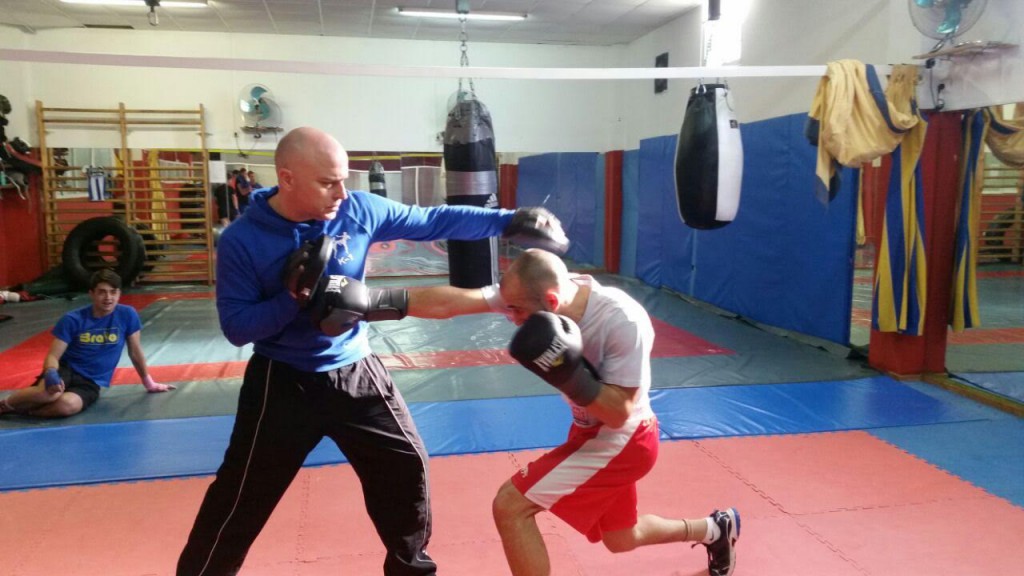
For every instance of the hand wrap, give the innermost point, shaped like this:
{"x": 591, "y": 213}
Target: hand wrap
{"x": 54, "y": 383}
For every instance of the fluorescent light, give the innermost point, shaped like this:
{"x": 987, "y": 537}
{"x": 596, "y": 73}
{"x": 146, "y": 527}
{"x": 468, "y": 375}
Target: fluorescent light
{"x": 142, "y": 3}
{"x": 428, "y": 13}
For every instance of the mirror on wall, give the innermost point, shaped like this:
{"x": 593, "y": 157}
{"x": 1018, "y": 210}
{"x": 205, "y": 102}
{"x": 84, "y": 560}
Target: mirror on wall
{"x": 996, "y": 344}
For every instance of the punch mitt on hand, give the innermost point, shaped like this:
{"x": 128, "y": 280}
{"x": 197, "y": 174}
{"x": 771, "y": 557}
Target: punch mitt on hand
{"x": 537, "y": 228}
{"x": 305, "y": 266}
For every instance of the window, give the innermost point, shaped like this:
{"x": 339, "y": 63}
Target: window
{"x": 723, "y": 38}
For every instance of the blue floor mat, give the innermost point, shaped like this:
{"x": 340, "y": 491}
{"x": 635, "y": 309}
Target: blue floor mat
{"x": 985, "y": 453}
{"x": 125, "y": 451}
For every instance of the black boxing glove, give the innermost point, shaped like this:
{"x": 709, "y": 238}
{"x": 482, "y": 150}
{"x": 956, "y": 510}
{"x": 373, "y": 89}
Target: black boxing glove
{"x": 537, "y": 228}
{"x": 551, "y": 347}
{"x": 339, "y": 302}
{"x": 305, "y": 266}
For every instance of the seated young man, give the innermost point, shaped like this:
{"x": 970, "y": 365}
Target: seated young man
{"x": 86, "y": 348}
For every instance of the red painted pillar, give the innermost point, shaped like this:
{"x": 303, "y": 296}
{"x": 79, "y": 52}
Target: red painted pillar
{"x": 612, "y": 210}
{"x": 940, "y": 167}
{"x": 22, "y": 234}
{"x": 508, "y": 180}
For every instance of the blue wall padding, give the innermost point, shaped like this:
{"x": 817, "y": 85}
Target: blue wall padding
{"x": 790, "y": 256}
{"x": 538, "y": 181}
{"x": 655, "y": 182}
{"x": 567, "y": 184}
{"x": 630, "y": 212}
{"x": 58, "y": 456}
{"x": 785, "y": 261}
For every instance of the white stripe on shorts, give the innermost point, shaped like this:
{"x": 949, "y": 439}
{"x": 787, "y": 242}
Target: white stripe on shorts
{"x": 582, "y": 465}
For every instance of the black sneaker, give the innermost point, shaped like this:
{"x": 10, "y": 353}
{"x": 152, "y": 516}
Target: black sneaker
{"x": 721, "y": 552}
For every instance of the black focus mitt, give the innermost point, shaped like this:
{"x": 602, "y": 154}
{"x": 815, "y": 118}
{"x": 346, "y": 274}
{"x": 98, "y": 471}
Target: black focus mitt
{"x": 537, "y": 227}
{"x": 305, "y": 266}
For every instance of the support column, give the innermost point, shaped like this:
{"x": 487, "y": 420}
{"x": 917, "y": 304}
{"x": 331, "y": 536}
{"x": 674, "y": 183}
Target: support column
{"x": 612, "y": 210}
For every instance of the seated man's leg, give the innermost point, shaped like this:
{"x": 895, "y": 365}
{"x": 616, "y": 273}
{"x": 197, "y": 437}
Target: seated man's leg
{"x": 66, "y": 404}
{"x": 79, "y": 393}
{"x": 28, "y": 400}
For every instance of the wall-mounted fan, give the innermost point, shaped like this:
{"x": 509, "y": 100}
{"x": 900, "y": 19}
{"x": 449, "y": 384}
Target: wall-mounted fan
{"x": 944, "y": 20}
{"x": 260, "y": 112}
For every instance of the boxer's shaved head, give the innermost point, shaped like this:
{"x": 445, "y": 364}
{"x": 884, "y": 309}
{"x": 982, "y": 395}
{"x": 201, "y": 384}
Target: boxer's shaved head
{"x": 534, "y": 282}
{"x": 538, "y": 271}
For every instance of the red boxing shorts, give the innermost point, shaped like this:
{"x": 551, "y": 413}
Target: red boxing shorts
{"x": 590, "y": 481}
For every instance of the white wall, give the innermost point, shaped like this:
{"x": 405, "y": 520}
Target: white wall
{"x": 814, "y": 32}
{"x": 776, "y": 33}
{"x": 995, "y": 77}
{"x": 645, "y": 114}
{"x": 805, "y": 32}
{"x": 365, "y": 113}
{"x": 385, "y": 113}
{"x": 14, "y": 82}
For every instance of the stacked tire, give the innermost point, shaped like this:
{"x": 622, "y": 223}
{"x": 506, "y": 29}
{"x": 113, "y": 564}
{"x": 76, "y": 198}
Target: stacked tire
{"x": 103, "y": 242}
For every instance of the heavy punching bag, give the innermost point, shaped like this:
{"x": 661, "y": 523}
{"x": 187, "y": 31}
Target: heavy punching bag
{"x": 377, "y": 185}
{"x": 709, "y": 159}
{"x": 471, "y": 179}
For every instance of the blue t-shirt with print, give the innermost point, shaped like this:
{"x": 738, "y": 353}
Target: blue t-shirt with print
{"x": 95, "y": 344}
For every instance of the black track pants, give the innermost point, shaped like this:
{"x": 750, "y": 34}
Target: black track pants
{"x": 282, "y": 415}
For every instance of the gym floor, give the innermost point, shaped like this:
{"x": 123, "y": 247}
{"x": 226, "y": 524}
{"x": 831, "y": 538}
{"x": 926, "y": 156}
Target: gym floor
{"x": 835, "y": 468}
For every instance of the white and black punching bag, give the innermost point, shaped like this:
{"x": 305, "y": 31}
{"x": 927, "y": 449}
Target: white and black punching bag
{"x": 377, "y": 185}
{"x": 709, "y": 159}
{"x": 471, "y": 178}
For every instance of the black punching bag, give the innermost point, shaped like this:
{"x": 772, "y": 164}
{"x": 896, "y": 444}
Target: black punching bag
{"x": 709, "y": 160}
{"x": 471, "y": 179}
{"x": 377, "y": 185}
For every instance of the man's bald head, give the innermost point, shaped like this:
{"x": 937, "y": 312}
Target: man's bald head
{"x": 305, "y": 144}
{"x": 311, "y": 171}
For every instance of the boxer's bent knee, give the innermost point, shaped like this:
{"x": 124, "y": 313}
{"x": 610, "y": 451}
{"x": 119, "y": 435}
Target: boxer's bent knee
{"x": 510, "y": 504}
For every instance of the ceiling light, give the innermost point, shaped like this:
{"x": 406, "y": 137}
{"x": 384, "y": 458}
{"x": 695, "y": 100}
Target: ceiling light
{"x": 142, "y": 3}
{"x": 429, "y": 13}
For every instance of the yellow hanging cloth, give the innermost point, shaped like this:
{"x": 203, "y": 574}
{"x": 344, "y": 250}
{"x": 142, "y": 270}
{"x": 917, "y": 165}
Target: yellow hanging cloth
{"x": 901, "y": 284}
{"x": 857, "y": 121}
{"x": 1006, "y": 137}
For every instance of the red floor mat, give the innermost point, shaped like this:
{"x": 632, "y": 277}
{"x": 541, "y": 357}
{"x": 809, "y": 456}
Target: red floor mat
{"x": 837, "y": 504}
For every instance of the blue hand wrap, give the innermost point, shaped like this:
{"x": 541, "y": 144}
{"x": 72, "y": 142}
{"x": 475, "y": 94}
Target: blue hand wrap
{"x": 52, "y": 378}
